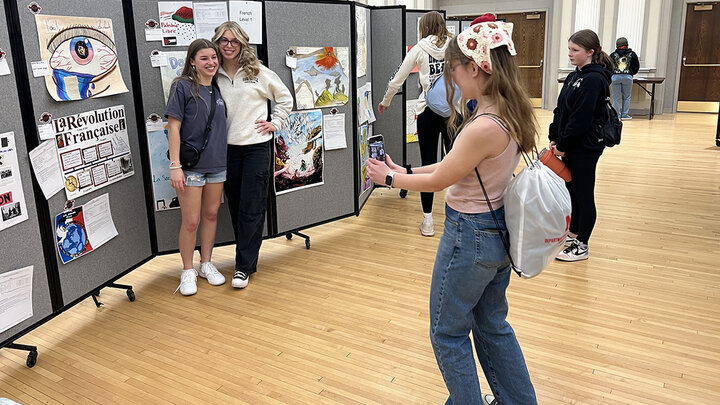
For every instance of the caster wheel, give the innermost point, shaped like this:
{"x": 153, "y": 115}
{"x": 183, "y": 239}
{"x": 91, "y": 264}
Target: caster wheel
{"x": 717, "y": 142}
{"x": 288, "y": 236}
{"x": 32, "y": 358}
{"x": 403, "y": 193}
{"x": 131, "y": 295}
{"x": 307, "y": 244}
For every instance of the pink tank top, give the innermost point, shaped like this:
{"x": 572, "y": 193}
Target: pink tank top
{"x": 467, "y": 196}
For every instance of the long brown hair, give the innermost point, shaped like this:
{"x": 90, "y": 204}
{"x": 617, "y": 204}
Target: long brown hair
{"x": 247, "y": 59}
{"x": 588, "y": 40}
{"x": 503, "y": 85}
{"x": 433, "y": 23}
{"x": 189, "y": 73}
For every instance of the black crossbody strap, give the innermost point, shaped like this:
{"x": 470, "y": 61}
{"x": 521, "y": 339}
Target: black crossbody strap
{"x": 210, "y": 117}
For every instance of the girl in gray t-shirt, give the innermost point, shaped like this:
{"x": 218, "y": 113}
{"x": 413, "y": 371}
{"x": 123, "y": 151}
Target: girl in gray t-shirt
{"x": 194, "y": 106}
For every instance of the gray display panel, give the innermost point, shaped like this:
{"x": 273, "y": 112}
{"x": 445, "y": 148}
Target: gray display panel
{"x": 336, "y": 196}
{"x": 167, "y": 222}
{"x": 388, "y": 51}
{"x": 376, "y": 92}
{"x": 21, "y": 244}
{"x": 127, "y": 197}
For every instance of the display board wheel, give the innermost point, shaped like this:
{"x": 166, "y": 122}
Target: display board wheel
{"x": 288, "y": 236}
{"x": 131, "y": 295}
{"x": 31, "y": 359}
{"x": 307, "y": 243}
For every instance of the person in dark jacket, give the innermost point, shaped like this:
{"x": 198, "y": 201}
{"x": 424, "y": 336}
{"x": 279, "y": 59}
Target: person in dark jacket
{"x": 574, "y": 137}
{"x": 626, "y": 65}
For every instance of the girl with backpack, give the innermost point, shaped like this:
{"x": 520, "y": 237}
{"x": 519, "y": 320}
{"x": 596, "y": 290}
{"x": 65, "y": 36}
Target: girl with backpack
{"x": 429, "y": 57}
{"x": 580, "y": 110}
{"x": 472, "y": 270}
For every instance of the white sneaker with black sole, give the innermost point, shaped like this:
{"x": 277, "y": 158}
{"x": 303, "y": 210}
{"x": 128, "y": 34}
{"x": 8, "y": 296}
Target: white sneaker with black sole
{"x": 576, "y": 251}
{"x": 210, "y": 272}
{"x": 240, "y": 279}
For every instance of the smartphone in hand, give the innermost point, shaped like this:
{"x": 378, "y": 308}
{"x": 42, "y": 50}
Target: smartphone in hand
{"x": 376, "y": 147}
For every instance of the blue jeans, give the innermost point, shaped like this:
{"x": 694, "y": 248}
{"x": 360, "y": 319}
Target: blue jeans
{"x": 471, "y": 274}
{"x": 622, "y": 87}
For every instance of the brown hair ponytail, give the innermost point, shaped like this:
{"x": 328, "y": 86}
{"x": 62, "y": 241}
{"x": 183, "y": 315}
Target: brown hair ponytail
{"x": 588, "y": 40}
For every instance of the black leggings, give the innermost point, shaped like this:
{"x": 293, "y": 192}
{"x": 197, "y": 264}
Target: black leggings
{"x": 430, "y": 126}
{"x": 582, "y": 194}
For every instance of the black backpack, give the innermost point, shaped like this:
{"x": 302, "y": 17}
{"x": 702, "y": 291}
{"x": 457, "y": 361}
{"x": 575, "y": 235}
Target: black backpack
{"x": 611, "y": 130}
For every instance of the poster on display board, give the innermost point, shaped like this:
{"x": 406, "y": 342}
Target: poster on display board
{"x": 81, "y": 53}
{"x": 319, "y": 78}
{"x": 12, "y": 198}
{"x": 15, "y": 297}
{"x": 411, "y": 134}
{"x": 248, "y": 14}
{"x": 364, "y": 133}
{"x": 93, "y": 149}
{"x": 173, "y": 69}
{"x": 80, "y": 230}
{"x": 165, "y": 195}
{"x": 177, "y": 22}
{"x": 361, "y": 46}
{"x": 299, "y": 157}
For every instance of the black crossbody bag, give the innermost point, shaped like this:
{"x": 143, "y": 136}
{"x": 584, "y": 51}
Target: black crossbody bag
{"x": 190, "y": 155}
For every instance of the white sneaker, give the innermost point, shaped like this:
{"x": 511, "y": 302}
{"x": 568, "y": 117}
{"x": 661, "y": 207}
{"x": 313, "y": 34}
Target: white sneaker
{"x": 211, "y": 273}
{"x": 427, "y": 227}
{"x": 240, "y": 279}
{"x": 576, "y": 251}
{"x": 569, "y": 240}
{"x": 188, "y": 282}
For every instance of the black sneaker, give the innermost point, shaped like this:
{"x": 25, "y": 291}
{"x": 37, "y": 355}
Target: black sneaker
{"x": 576, "y": 251}
{"x": 240, "y": 279}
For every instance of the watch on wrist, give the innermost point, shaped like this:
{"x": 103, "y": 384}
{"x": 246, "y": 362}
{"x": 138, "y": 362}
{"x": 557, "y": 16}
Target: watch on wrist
{"x": 409, "y": 170}
{"x": 389, "y": 179}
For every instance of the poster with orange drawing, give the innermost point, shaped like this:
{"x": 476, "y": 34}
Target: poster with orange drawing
{"x": 320, "y": 77}
{"x": 81, "y": 55}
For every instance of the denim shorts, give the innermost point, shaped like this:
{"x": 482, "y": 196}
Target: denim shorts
{"x": 195, "y": 179}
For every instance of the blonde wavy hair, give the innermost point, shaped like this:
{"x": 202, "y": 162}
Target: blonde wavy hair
{"x": 247, "y": 58}
{"x": 433, "y": 23}
{"x": 503, "y": 85}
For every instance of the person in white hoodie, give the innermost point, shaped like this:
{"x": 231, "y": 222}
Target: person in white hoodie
{"x": 247, "y": 86}
{"x": 429, "y": 57}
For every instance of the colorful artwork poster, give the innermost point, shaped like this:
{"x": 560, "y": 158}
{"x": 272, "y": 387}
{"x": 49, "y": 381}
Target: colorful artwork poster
{"x": 363, "y": 134}
{"x": 177, "y": 23}
{"x": 299, "y": 157}
{"x": 173, "y": 69}
{"x": 12, "y": 197}
{"x": 82, "y": 55}
{"x": 361, "y": 45}
{"x": 93, "y": 149}
{"x": 71, "y": 235}
{"x": 319, "y": 77}
{"x": 165, "y": 196}
{"x": 411, "y": 121}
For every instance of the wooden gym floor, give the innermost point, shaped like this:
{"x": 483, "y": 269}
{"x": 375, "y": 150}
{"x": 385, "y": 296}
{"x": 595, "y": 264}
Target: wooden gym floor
{"x": 347, "y": 321}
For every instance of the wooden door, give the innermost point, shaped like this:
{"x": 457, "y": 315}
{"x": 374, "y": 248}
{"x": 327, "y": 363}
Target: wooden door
{"x": 700, "y": 63}
{"x": 529, "y": 37}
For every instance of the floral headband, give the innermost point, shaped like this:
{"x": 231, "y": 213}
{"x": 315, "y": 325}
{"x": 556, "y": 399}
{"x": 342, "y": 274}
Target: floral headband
{"x": 477, "y": 41}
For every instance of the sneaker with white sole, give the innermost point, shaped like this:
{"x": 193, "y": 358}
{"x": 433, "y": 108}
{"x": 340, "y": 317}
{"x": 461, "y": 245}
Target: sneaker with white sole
{"x": 427, "y": 227}
{"x": 188, "y": 282}
{"x": 211, "y": 273}
{"x": 576, "y": 251}
{"x": 569, "y": 240}
{"x": 240, "y": 279}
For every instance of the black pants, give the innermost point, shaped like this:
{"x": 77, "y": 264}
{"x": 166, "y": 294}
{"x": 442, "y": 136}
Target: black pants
{"x": 582, "y": 194}
{"x": 430, "y": 126}
{"x": 246, "y": 188}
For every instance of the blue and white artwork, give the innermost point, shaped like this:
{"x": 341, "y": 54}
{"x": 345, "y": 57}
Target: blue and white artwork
{"x": 165, "y": 196}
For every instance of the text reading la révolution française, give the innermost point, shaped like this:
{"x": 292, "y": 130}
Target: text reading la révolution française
{"x": 74, "y": 129}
